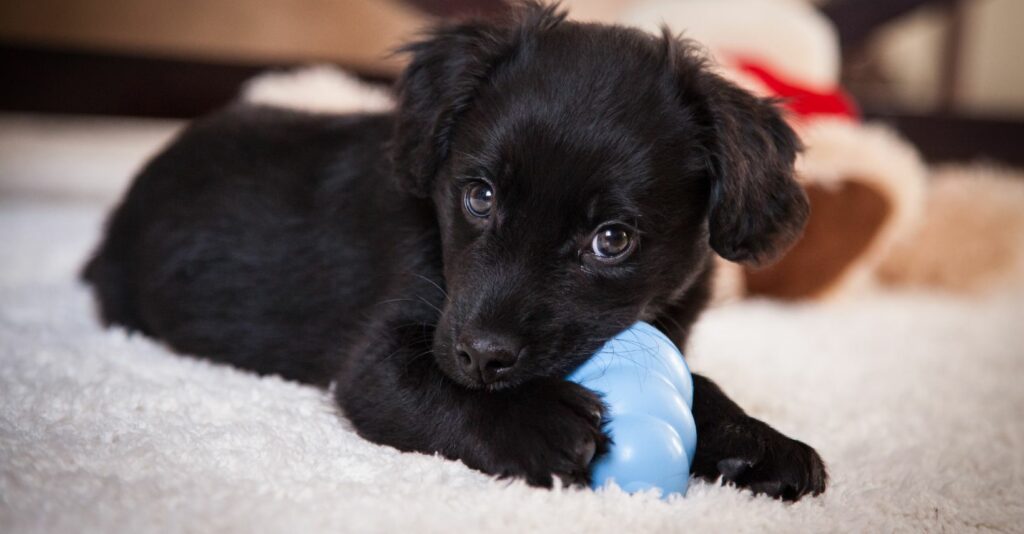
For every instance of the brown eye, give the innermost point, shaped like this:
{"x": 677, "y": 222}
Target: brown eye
{"x": 611, "y": 242}
{"x": 479, "y": 199}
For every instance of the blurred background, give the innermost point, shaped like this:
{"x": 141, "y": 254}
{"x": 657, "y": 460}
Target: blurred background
{"x": 945, "y": 73}
{"x": 911, "y": 111}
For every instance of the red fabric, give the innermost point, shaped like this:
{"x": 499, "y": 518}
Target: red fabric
{"x": 800, "y": 100}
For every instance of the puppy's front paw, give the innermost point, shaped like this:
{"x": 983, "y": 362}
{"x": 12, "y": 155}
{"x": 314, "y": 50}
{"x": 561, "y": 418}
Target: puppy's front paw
{"x": 544, "y": 430}
{"x": 751, "y": 454}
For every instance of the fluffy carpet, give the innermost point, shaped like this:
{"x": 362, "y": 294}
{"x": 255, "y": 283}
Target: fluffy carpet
{"x": 914, "y": 400}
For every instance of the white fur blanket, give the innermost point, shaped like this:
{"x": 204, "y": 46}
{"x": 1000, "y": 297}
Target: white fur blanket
{"x": 915, "y": 401}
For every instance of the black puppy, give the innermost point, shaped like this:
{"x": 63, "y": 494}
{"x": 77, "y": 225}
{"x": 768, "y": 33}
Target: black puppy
{"x": 542, "y": 185}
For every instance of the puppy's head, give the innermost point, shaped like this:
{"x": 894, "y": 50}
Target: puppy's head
{"x": 582, "y": 174}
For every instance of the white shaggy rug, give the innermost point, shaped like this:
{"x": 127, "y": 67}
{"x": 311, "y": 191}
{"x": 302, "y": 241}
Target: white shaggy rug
{"x": 915, "y": 401}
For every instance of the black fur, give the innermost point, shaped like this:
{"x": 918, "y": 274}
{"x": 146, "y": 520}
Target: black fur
{"x": 339, "y": 249}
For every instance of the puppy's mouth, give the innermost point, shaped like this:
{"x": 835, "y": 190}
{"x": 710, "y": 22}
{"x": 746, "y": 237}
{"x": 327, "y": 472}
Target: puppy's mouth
{"x": 492, "y": 386}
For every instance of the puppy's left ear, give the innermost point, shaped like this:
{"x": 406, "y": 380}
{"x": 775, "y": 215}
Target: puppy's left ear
{"x": 757, "y": 210}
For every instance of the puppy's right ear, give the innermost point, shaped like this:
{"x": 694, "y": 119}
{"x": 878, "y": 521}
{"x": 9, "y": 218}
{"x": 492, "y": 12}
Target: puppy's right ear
{"x": 441, "y": 81}
{"x": 436, "y": 87}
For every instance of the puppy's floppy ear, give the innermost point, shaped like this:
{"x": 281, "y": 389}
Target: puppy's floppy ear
{"x": 757, "y": 209}
{"x": 442, "y": 80}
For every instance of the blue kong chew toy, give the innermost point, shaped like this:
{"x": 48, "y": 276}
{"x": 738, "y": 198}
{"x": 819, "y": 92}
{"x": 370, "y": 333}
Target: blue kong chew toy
{"x": 649, "y": 393}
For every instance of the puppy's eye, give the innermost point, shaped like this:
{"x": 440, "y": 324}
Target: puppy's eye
{"x": 478, "y": 197}
{"x": 612, "y": 243}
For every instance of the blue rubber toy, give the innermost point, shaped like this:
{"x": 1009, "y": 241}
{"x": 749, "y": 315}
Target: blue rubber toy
{"x": 648, "y": 389}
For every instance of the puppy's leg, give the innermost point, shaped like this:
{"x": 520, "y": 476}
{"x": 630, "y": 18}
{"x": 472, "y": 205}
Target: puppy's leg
{"x": 749, "y": 453}
{"x": 394, "y": 394}
{"x": 731, "y": 444}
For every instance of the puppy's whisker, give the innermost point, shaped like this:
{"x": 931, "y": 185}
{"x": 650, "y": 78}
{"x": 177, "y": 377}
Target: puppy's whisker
{"x": 392, "y": 301}
{"x": 412, "y": 359}
{"x": 431, "y": 282}
{"x": 434, "y": 307}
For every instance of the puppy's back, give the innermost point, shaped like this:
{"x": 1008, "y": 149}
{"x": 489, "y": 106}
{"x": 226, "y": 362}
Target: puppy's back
{"x": 210, "y": 248}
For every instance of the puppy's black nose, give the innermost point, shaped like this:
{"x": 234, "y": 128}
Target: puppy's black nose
{"x": 487, "y": 355}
